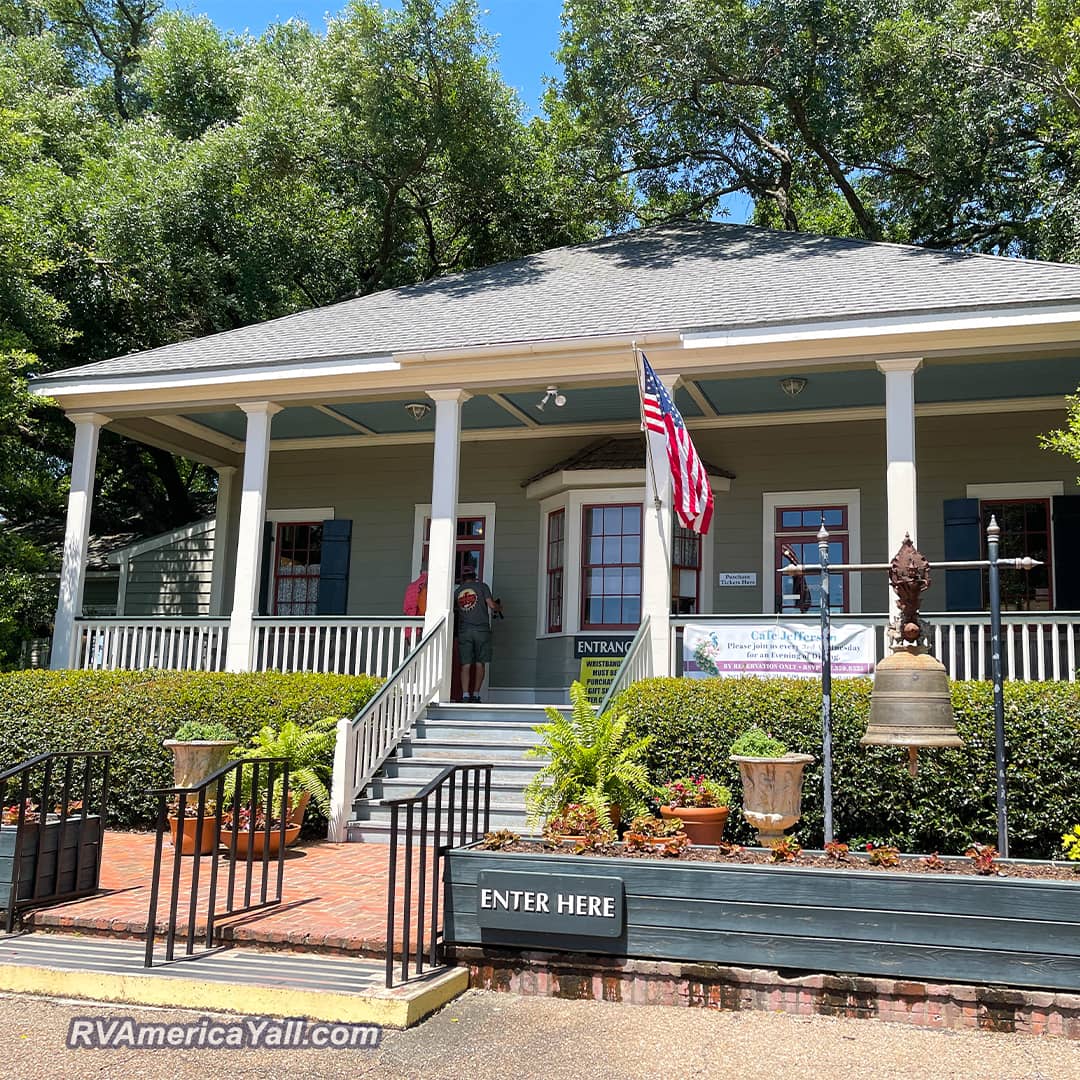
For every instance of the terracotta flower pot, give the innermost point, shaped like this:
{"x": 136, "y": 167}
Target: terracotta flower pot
{"x": 297, "y": 809}
{"x": 703, "y": 824}
{"x": 772, "y": 793}
{"x": 258, "y": 840}
{"x": 207, "y": 837}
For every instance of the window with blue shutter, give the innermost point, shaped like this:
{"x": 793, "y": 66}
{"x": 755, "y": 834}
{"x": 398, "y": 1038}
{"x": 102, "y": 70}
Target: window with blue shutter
{"x": 963, "y": 588}
{"x": 334, "y": 567}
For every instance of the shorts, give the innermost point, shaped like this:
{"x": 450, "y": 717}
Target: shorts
{"x": 474, "y": 645}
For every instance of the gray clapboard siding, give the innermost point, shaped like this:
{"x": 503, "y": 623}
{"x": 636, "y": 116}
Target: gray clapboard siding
{"x": 929, "y": 926}
{"x": 172, "y": 580}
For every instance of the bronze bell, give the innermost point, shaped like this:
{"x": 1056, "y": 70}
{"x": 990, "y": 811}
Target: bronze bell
{"x": 910, "y": 705}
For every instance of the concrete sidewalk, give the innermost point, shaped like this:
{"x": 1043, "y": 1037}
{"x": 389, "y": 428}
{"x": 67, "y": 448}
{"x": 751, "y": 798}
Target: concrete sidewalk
{"x": 500, "y": 1035}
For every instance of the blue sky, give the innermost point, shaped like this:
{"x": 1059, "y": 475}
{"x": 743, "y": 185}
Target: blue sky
{"x": 527, "y": 31}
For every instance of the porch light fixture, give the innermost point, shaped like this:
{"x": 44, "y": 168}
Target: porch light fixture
{"x": 793, "y": 385}
{"x": 417, "y": 409}
{"x": 551, "y": 394}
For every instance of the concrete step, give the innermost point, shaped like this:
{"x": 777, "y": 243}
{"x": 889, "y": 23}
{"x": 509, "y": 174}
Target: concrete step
{"x": 468, "y": 730}
{"x": 525, "y": 714}
{"x": 481, "y": 750}
{"x": 376, "y": 830}
{"x": 424, "y": 768}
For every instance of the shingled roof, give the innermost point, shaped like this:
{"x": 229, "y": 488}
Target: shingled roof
{"x": 612, "y": 454}
{"x": 677, "y": 277}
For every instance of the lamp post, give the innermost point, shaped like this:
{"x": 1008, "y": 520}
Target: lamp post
{"x": 993, "y": 540}
{"x": 826, "y": 680}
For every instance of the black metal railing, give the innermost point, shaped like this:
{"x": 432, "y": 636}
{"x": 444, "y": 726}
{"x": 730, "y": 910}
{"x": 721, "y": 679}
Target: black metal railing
{"x": 51, "y": 836}
{"x": 243, "y": 809}
{"x": 423, "y": 827}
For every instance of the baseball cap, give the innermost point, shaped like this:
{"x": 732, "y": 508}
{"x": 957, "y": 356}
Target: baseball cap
{"x": 468, "y": 571}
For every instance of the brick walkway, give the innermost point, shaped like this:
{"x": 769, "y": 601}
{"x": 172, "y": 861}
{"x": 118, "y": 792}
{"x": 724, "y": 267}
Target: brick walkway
{"x": 334, "y": 897}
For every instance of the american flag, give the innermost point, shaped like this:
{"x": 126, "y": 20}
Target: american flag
{"x": 693, "y": 495}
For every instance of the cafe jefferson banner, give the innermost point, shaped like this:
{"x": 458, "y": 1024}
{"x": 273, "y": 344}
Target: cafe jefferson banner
{"x": 775, "y": 650}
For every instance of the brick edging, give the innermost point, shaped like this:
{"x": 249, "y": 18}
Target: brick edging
{"x": 714, "y": 986}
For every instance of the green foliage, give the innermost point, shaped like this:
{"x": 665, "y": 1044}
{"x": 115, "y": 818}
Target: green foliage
{"x": 592, "y": 759}
{"x": 203, "y": 731}
{"x": 949, "y": 804}
{"x": 757, "y": 743}
{"x": 1066, "y": 440}
{"x": 309, "y": 750}
{"x": 131, "y": 713}
{"x": 27, "y": 595}
{"x": 697, "y": 791}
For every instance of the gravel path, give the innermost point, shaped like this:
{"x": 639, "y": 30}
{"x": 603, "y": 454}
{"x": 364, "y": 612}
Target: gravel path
{"x": 502, "y": 1036}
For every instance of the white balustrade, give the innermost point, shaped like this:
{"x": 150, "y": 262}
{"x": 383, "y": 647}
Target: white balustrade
{"x": 341, "y": 646}
{"x": 1036, "y": 646}
{"x": 138, "y": 644}
{"x": 636, "y": 665}
{"x": 366, "y": 740}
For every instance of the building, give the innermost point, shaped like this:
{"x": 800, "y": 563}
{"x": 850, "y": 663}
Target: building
{"x": 492, "y": 418}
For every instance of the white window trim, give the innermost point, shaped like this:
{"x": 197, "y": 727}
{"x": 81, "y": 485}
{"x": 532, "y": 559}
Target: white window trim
{"x": 1039, "y": 489}
{"x": 486, "y": 510}
{"x": 304, "y": 513}
{"x": 574, "y": 503}
{"x": 771, "y": 501}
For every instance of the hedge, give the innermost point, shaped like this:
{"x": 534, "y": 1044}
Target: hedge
{"x": 951, "y": 801}
{"x": 131, "y": 712}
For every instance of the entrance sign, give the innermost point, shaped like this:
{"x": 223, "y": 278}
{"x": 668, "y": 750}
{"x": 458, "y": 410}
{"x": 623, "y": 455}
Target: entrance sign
{"x": 775, "y": 650}
{"x": 587, "y": 648}
{"x": 729, "y": 580}
{"x": 601, "y": 657}
{"x": 550, "y": 903}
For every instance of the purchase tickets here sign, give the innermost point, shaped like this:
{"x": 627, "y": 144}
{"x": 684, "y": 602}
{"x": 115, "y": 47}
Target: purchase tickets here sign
{"x": 775, "y": 650}
{"x": 550, "y": 903}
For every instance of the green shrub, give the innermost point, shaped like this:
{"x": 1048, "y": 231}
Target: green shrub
{"x": 198, "y": 731}
{"x": 757, "y": 743}
{"x": 949, "y": 804}
{"x": 131, "y": 712}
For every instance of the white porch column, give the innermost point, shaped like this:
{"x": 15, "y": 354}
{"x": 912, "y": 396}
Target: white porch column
{"x": 224, "y": 538}
{"x": 249, "y": 541}
{"x": 76, "y": 536}
{"x": 442, "y": 541}
{"x": 900, "y": 485}
{"x": 656, "y": 547}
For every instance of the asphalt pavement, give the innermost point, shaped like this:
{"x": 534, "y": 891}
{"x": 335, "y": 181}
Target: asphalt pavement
{"x": 501, "y": 1036}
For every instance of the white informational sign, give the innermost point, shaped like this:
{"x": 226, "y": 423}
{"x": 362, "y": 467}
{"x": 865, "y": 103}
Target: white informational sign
{"x": 738, "y": 579}
{"x": 775, "y": 650}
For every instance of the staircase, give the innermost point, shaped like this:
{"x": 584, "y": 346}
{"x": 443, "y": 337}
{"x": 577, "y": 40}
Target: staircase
{"x": 453, "y": 735}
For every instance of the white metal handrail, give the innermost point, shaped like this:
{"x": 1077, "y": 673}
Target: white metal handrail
{"x": 366, "y": 740}
{"x": 1037, "y": 646}
{"x": 173, "y": 644}
{"x": 637, "y": 664}
{"x": 338, "y": 645}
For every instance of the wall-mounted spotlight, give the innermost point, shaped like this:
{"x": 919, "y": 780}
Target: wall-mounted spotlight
{"x": 417, "y": 409}
{"x": 793, "y": 385}
{"x": 551, "y": 394}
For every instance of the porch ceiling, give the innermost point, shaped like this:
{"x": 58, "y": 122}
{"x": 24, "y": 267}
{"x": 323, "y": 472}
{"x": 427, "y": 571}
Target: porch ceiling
{"x": 726, "y": 397}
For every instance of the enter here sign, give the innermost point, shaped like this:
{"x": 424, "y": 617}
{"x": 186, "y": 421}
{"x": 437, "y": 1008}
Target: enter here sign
{"x": 550, "y": 904}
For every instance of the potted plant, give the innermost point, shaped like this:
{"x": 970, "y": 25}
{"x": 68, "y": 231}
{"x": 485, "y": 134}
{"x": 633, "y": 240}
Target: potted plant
{"x": 700, "y": 804}
{"x": 194, "y": 840}
{"x": 256, "y": 840}
{"x": 592, "y": 759}
{"x": 199, "y": 748}
{"x": 667, "y": 835}
{"x": 580, "y": 825}
{"x": 310, "y": 754}
{"x": 772, "y": 783}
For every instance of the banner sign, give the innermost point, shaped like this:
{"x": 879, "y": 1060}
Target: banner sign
{"x": 597, "y": 675}
{"x": 775, "y": 650}
{"x": 550, "y": 904}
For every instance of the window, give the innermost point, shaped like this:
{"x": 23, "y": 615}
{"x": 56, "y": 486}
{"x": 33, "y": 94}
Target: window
{"x": 796, "y": 527}
{"x": 297, "y": 566}
{"x": 1025, "y": 530}
{"x": 469, "y": 549}
{"x": 556, "y": 555}
{"x": 611, "y": 567}
{"x": 685, "y": 571}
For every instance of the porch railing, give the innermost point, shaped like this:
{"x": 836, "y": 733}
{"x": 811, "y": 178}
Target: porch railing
{"x": 138, "y": 644}
{"x": 1036, "y": 645}
{"x": 340, "y": 646}
{"x": 637, "y": 664}
{"x": 366, "y": 740}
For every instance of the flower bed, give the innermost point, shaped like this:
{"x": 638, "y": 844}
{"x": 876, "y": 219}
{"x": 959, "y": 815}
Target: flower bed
{"x": 1022, "y": 929}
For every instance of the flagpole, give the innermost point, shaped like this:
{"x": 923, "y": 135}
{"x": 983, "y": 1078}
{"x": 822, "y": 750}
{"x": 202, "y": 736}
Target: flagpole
{"x": 649, "y": 460}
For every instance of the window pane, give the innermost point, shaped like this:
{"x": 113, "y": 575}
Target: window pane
{"x": 612, "y": 550}
{"x": 688, "y": 583}
{"x": 631, "y": 549}
{"x": 791, "y": 519}
{"x": 631, "y": 519}
{"x": 596, "y": 551}
{"x": 632, "y": 580}
{"x": 612, "y": 611}
{"x": 631, "y": 610}
{"x": 834, "y": 518}
{"x": 594, "y": 612}
{"x": 612, "y": 520}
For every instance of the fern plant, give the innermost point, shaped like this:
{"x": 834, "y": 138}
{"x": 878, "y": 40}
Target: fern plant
{"x": 592, "y": 759}
{"x": 310, "y": 753}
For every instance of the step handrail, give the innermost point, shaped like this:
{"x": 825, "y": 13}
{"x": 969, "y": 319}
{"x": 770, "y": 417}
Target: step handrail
{"x": 366, "y": 740}
{"x": 636, "y": 664}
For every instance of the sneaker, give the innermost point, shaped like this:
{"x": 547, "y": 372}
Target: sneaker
{"x": 476, "y": 699}
{"x": 466, "y": 697}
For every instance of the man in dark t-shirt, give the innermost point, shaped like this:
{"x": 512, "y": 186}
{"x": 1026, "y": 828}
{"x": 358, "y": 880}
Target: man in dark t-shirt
{"x": 472, "y": 602}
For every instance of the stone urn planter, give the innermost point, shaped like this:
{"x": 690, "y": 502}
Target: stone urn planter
{"x": 772, "y": 793}
{"x": 194, "y": 761}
